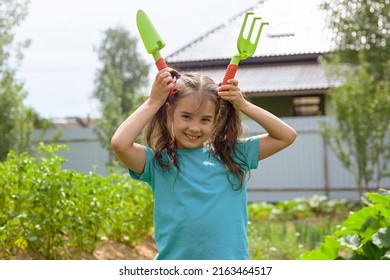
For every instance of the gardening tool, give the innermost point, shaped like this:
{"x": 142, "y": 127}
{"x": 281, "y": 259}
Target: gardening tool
{"x": 152, "y": 41}
{"x": 246, "y": 46}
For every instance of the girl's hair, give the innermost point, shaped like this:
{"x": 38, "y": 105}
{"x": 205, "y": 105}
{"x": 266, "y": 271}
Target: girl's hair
{"x": 223, "y": 140}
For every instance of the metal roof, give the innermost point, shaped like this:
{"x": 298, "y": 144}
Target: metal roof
{"x": 276, "y": 79}
{"x": 296, "y": 27}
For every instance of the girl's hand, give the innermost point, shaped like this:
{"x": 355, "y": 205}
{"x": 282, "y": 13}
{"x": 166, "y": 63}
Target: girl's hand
{"x": 161, "y": 87}
{"x": 232, "y": 93}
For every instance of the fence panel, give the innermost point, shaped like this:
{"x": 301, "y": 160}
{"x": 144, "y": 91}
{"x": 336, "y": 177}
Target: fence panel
{"x": 306, "y": 168}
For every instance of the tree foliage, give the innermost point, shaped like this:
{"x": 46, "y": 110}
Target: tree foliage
{"x": 360, "y": 138}
{"x": 361, "y": 31}
{"x": 118, "y": 82}
{"x": 16, "y": 120}
{"x": 361, "y": 105}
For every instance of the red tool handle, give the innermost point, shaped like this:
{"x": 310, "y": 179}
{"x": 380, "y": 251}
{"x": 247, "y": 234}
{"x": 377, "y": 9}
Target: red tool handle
{"x": 160, "y": 63}
{"x": 230, "y": 73}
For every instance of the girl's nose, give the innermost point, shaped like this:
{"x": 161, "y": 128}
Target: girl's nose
{"x": 194, "y": 128}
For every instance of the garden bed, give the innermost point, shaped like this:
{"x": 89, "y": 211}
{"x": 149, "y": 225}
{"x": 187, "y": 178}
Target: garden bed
{"x": 110, "y": 250}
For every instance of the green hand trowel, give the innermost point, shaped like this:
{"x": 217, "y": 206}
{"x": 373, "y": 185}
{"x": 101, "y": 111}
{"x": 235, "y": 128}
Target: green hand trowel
{"x": 246, "y": 46}
{"x": 152, "y": 41}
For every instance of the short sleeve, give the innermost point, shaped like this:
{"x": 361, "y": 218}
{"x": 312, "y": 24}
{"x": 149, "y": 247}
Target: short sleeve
{"x": 248, "y": 148}
{"x": 147, "y": 174}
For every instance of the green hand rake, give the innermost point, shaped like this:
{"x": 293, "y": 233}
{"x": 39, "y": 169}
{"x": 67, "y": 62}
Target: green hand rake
{"x": 246, "y": 46}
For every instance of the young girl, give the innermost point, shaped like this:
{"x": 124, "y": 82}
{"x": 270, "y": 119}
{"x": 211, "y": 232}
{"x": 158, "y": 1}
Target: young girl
{"x": 197, "y": 163}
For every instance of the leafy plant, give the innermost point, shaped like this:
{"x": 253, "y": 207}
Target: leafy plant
{"x": 365, "y": 234}
{"x": 55, "y": 213}
{"x": 298, "y": 208}
{"x": 286, "y": 229}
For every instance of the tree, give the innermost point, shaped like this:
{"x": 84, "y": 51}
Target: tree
{"x": 15, "y": 118}
{"x": 118, "y": 82}
{"x": 361, "y": 33}
{"x": 361, "y": 105}
{"x": 360, "y": 138}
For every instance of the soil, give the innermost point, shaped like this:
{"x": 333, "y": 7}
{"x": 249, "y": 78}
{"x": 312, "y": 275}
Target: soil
{"x": 111, "y": 250}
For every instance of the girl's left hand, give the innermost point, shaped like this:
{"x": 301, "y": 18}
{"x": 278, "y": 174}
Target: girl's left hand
{"x": 232, "y": 93}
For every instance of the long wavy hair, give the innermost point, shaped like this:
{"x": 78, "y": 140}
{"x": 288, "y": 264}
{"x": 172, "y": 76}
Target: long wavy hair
{"x": 227, "y": 129}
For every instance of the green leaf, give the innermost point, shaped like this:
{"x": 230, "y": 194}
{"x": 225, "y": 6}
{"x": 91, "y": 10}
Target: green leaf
{"x": 373, "y": 252}
{"x": 328, "y": 251}
{"x": 356, "y": 221}
{"x": 378, "y": 198}
{"x": 386, "y": 214}
{"x": 352, "y": 241}
{"x": 382, "y": 238}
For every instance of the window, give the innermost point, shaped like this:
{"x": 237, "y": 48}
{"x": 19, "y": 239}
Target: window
{"x": 308, "y": 105}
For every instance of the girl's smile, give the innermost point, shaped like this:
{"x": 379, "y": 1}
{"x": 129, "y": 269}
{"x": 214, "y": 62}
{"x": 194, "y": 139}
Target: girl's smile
{"x": 192, "y": 123}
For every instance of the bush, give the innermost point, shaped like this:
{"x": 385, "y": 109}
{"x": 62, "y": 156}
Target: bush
{"x": 55, "y": 213}
{"x": 364, "y": 235}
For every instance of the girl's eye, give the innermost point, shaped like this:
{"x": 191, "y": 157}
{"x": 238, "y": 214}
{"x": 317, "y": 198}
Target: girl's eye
{"x": 206, "y": 120}
{"x": 187, "y": 117}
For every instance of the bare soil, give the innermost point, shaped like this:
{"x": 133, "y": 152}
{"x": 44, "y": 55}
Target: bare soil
{"x": 111, "y": 250}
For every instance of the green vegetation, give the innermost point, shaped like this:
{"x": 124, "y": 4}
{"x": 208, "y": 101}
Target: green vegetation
{"x": 118, "y": 83}
{"x": 55, "y": 214}
{"x": 364, "y": 235}
{"x": 287, "y": 229}
{"x": 359, "y": 70}
{"x": 52, "y": 213}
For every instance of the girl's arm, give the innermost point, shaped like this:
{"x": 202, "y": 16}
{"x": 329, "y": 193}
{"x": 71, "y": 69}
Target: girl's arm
{"x": 279, "y": 135}
{"x": 123, "y": 143}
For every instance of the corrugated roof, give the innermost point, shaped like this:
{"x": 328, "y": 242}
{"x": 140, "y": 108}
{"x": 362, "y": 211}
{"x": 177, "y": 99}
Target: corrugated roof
{"x": 296, "y": 27}
{"x": 277, "y": 78}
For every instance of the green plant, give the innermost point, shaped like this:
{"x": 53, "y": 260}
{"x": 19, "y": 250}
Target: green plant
{"x": 365, "y": 234}
{"x": 55, "y": 214}
{"x": 286, "y": 229}
{"x": 315, "y": 205}
{"x": 287, "y": 239}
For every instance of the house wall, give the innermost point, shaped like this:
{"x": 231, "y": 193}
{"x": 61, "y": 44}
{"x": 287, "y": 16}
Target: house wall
{"x": 306, "y": 168}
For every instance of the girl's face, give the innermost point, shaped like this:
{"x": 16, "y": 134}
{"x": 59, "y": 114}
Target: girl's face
{"x": 192, "y": 125}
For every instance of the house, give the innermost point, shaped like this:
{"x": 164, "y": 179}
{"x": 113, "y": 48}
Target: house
{"x": 285, "y": 77}
{"x": 284, "y": 74}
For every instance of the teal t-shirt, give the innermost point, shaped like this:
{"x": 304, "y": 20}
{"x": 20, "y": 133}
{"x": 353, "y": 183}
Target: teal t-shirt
{"x": 198, "y": 213}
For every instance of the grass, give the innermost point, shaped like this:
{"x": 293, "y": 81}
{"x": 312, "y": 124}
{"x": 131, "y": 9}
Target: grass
{"x": 287, "y": 239}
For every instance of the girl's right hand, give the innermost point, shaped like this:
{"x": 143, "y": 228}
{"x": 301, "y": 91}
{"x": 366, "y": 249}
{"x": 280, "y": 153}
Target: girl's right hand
{"x": 161, "y": 87}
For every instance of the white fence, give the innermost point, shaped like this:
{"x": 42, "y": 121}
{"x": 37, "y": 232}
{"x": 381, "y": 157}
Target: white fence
{"x": 306, "y": 168}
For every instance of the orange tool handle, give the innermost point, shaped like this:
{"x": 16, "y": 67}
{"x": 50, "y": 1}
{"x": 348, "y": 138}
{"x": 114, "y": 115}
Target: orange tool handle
{"x": 230, "y": 73}
{"x": 160, "y": 63}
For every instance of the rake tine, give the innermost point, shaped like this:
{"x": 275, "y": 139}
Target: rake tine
{"x": 244, "y": 45}
{"x": 241, "y": 35}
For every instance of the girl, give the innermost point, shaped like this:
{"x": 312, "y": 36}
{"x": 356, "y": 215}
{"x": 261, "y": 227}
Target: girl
{"x": 197, "y": 163}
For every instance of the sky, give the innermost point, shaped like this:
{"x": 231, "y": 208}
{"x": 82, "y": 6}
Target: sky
{"x": 59, "y": 66}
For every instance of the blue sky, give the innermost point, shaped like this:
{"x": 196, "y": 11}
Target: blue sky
{"x": 59, "y": 67}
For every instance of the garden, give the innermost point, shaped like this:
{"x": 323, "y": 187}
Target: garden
{"x": 47, "y": 212}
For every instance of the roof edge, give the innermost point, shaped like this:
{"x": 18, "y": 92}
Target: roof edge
{"x": 250, "y": 61}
